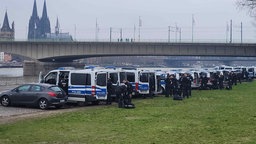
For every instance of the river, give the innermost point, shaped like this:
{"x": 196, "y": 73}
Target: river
{"x": 14, "y": 76}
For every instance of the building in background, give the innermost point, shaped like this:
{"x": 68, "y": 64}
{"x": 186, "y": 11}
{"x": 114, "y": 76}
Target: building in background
{"x": 58, "y": 35}
{"x": 40, "y": 28}
{"x": 7, "y": 32}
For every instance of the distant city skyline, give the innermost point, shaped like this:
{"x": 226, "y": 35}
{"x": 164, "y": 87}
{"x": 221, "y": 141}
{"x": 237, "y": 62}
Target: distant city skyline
{"x": 149, "y": 20}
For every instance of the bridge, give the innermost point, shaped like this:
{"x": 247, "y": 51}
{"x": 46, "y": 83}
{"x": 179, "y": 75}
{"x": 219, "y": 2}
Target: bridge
{"x": 49, "y": 51}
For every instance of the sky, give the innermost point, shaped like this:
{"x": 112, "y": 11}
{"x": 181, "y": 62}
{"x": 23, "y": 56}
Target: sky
{"x": 144, "y": 20}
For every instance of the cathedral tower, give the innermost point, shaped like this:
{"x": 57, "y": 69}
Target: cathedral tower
{"x": 7, "y": 33}
{"x": 38, "y": 28}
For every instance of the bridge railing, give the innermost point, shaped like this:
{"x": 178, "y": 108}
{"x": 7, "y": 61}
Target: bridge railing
{"x": 144, "y": 40}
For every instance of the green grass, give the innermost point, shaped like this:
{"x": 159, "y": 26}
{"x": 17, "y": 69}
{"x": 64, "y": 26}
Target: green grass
{"x": 213, "y": 116}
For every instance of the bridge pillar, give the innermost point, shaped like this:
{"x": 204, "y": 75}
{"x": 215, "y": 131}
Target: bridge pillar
{"x": 31, "y": 68}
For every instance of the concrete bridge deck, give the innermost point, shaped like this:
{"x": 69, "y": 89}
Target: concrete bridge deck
{"x": 67, "y": 51}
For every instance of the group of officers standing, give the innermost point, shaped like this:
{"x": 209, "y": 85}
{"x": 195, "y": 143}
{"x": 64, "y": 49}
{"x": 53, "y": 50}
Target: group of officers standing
{"x": 178, "y": 87}
{"x": 123, "y": 94}
{"x": 182, "y": 86}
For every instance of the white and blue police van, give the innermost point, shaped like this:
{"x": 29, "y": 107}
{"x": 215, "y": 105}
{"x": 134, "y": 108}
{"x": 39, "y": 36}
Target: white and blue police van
{"x": 147, "y": 79}
{"x": 87, "y": 85}
{"x": 83, "y": 86}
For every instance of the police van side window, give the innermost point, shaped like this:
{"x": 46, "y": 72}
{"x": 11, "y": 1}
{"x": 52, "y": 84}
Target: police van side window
{"x": 113, "y": 77}
{"x": 122, "y": 76}
{"x": 101, "y": 79}
{"x": 80, "y": 79}
{"x": 130, "y": 77}
{"x": 144, "y": 77}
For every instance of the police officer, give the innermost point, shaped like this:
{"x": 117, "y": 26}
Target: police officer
{"x": 128, "y": 94}
{"x": 221, "y": 80}
{"x": 204, "y": 81}
{"x": 121, "y": 91}
{"x": 109, "y": 90}
{"x": 184, "y": 85}
{"x": 151, "y": 86}
{"x": 167, "y": 86}
{"x": 230, "y": 82}
{"x": 190, "y": 80}
{"x": 234, "y": 78}
{"x": 175, "y": 85}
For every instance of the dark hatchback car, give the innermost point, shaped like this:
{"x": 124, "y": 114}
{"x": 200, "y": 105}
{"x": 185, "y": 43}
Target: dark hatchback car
{"x": 40, "y": 95}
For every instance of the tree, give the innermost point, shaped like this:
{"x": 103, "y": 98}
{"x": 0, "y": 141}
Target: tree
{"x": 248, "y": 4}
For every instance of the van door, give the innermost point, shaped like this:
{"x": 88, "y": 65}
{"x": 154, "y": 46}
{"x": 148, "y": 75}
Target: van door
{"x": 114, "y": 76}
{"x": 196, "y": 80}
{"x": 101, "y": 86}
{"x": 52, "y": 78}
{"x": 143, "y": 83}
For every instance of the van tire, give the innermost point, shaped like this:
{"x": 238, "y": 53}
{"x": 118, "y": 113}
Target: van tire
{"x": 80, "y": 103}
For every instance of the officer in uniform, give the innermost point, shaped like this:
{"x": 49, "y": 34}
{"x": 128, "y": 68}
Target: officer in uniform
{"x": 175, "y": 85}
{"x": 221, "y": 80}
{"x": 128, "y": 94}
{"x": 184, "y": 85}
{"x": 167, "y": 86}
{"x": 190, "y": 80}
{"x": 109, "y": 90}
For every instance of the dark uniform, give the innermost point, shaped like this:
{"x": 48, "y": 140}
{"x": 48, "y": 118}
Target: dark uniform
{"x": 190, "y": 80}
{"x": 234, "y": 78}
{"x": 230, "y": 81}
{"x": 120, "y": 94}
{"x": 204, "y": 81}
{"x": 151, "y": 86}
{"x": 110, "y": 91}
{"x": 128, "y": 95}
{"x": 221, "y": 80}
{"x": 184, "y": 86}
{"x": 167, "y": 86}
{"x": 175, "y": 86}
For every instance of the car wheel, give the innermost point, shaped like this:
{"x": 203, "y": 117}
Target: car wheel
{"x": 43, "y": 104}
{"x": 5, "y": 101}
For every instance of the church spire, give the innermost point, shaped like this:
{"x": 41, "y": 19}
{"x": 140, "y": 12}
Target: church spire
{"x": 6, "y": 26}
{"x": 45, "y": 26}
{"x": 34, "y": 13}
{"x": 44, "y": 11}
{"x": 57, "y": 27}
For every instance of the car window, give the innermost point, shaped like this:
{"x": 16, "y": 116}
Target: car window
{"x": 24, "y": 88}
{"x": 36, "y": 88}
{"x": 55, "y": 88}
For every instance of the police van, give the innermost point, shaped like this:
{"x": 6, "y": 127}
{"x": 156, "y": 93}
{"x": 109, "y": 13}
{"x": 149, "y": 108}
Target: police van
{"x": 83, "y": 86}
{"x": 139, "y": 79}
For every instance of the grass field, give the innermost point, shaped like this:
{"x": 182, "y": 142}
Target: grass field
{"x": 213, "y": 116}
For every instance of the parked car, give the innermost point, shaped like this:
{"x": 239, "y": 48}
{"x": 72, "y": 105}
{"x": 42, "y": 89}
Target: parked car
{"x": 40, "y": 95}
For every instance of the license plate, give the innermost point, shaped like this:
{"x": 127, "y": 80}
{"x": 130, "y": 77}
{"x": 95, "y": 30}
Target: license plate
{"x": 62, "y": 101}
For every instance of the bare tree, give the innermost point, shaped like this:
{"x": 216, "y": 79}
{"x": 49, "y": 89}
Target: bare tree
{"x": 248, "y": 4}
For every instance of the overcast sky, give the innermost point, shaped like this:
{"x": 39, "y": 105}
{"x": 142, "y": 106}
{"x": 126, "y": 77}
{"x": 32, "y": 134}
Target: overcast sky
{"x": 78, "y": 17}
